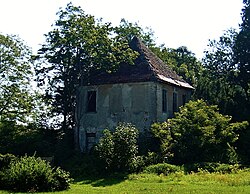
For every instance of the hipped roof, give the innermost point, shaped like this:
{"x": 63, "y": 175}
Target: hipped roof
{"x": 147, "y": 67}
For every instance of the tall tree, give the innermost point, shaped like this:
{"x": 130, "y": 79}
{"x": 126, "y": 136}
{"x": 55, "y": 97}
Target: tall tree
{"x": 226, "y": 77}
{"x": 242, "y": 51}
{"x": 217, "y": 83}
{"x": 181, "y": 60}
{"x": 16, "y": 99}
{"x": 76, "y": 48}
{"x": 187, "y": 64}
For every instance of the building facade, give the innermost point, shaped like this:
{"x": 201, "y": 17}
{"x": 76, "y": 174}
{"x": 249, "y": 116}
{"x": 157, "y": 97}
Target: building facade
{"x": 141, "y": 94}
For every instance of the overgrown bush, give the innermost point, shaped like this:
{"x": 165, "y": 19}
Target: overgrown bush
{"x": 212, "y": 167}
{"x": 199, "y": 133}
{"x": 30, "y": 174}
{"x": 118, "y": 149}
{"x": 139, "y": 163}
{"x": 162, "y": 168}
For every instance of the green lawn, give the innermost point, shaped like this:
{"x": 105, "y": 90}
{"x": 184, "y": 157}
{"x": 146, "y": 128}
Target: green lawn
{"x": 175, "y": 183}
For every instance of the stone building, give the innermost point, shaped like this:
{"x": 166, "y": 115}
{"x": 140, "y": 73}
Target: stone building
{"x": 141, "y": 94}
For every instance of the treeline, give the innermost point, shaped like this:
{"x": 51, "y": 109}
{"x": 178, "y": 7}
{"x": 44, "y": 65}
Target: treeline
{"x": 41, "y": 118}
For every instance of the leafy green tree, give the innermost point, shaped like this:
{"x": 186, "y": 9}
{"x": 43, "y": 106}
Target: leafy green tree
{"x": 16, "y": 98}
{"x": 127, "y": 30}
{"x": 77, "y": 47}
{"x": 186, "y": 65}
{"x": 182, "y": 61}
{"x": 242, "y": 51}
{"x": 118, "y": 149}
{"x": 199, "y": 133}
{"x": 20, "y": 104}
{"x": 217, "y": 84}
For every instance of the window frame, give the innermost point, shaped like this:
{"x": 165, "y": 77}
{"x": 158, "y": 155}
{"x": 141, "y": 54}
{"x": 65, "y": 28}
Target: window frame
{"x": 184, "y": 99}
{"x": 175, "y": 102}
{"x": 164, "y": 101}
{"x": 91, "y": 101}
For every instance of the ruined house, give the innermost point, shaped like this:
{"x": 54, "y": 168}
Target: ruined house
{"x": 148, "y": 91}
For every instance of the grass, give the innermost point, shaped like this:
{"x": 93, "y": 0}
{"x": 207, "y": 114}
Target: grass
{"x": 202, "y": 183}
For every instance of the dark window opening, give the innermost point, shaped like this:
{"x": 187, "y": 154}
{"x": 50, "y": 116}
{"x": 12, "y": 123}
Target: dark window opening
{"x": 184, "y": 99}
{"x": 91, "y": 101}
{"x": 175, "y": 106}
{"x": 164, "y": 100}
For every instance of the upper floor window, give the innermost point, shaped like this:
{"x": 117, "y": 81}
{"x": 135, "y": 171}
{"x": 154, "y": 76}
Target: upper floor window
{"x": 175, "y": 105}
{"x": 164, "y": 100}
{"x": 91, "y": 101}
{"x": 184, "y": 99}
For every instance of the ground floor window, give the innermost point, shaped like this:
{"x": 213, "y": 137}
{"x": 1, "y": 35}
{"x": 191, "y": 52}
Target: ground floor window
{"x": 90, "y": 140}
{"x": 184, "y": 99}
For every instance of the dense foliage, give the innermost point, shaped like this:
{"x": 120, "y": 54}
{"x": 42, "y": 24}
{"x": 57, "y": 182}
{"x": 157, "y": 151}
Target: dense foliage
{"x": 242, "y": 53}
{"x": 30, "y": 174}
{"x": 199, "y": 133}
{"x": 182, "y": 61}
{"x": 119, "y": 149}
{"x": 16, "y": 96}
{"x": 225, "y": 80}
{"x": 162, "y": 168}
{"x": 77, "y": 47}
{"x": 212, "y": 167}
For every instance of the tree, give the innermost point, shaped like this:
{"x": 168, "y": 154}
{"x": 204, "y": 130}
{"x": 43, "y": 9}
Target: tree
{"x": 217, "y": 84}
{"x": 242, "y": 59}
{"x": 16, "y": 98}
{"x": 127, "y": 30}
{"x": 78, "y": 47}
{"x": 187, "y": 64}
{"x": 225, "y": 77}
{"x": 182, "y": 61}
{"x": 199, "y": 133}
{"x": 242, "y": 51}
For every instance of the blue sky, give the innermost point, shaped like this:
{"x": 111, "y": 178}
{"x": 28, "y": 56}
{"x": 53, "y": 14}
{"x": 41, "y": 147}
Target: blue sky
{"x": 188, "y": 23}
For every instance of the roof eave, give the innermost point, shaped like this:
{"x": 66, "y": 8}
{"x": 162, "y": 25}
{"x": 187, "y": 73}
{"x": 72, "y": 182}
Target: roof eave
{"x": 174, "y": 82}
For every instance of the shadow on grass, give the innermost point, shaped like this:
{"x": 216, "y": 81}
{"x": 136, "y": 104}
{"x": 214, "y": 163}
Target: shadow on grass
{"x": 103, "y": 181}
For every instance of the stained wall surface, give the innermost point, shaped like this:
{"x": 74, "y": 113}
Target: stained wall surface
{"x": 136, "y": 103}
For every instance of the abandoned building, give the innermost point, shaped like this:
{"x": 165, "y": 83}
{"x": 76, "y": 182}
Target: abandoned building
{"x": 148, "y": 91}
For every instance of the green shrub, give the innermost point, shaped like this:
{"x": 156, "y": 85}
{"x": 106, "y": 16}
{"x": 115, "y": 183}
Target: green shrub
{"x": 162, "y": 168}
{"x": 137, "y": 164}
{"x": 228, "y": 168}
{"x": 30, "y": 174}
{"x": 198, "y": 133}
{"x": 118, "y": 149}
{"x": 61, "y": 179}
{"x": 212, "y": 167}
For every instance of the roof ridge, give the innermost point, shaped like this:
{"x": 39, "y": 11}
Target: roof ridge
{"x": 142, "y": 47}
{"x": 158, "y": 66}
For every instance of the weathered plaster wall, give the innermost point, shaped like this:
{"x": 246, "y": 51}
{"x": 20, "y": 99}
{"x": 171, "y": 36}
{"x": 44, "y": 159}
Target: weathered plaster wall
{"x": 136, "y": 103}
